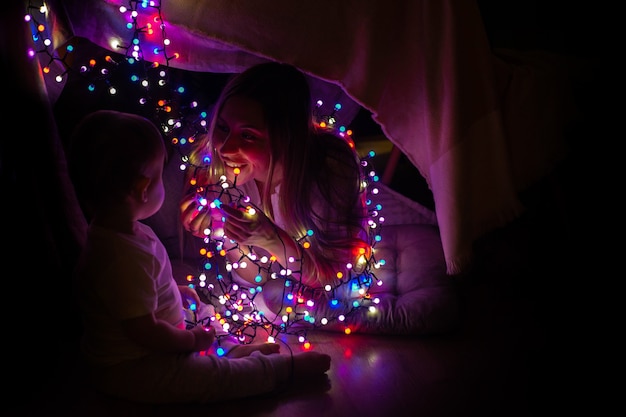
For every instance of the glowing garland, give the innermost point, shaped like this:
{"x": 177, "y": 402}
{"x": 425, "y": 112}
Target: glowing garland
{"x": 298, "y": 313}
{"x": 238, "y": 314}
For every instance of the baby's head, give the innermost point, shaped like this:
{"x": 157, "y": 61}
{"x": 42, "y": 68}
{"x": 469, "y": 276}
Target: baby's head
{"x": 110, "y": 153}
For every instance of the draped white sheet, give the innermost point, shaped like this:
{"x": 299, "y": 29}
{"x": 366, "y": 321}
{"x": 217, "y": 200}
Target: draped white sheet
{"x": 473, "y": 123}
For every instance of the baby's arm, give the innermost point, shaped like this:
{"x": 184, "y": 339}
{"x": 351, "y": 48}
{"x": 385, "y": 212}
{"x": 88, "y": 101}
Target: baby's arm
{"x": 161, "y": 336}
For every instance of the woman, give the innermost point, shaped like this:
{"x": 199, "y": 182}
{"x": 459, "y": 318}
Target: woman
{"x": 267, "y": 181}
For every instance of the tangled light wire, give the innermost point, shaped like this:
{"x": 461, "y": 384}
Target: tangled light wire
{"x": 303, "y": 307}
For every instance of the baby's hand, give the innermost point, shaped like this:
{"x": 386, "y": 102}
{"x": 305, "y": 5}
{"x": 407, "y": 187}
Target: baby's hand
{"x": 190, "y": 297}
{"x": 205, "y": 336}
{"x": 311, "y": 363}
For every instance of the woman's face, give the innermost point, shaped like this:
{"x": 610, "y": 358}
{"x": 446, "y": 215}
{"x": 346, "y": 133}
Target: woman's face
{"x": 242, "y": 140}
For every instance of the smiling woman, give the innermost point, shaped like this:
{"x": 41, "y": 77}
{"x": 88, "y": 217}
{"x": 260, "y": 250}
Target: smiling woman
{"x": 304, "y": 183}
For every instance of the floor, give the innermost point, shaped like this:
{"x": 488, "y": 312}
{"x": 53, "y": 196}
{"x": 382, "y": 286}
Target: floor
{"x": 483, "y": 370}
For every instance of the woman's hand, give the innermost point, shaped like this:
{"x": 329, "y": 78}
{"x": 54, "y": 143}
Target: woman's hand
{"x": 249, "y": 229}
{"x": 197, "y": 218}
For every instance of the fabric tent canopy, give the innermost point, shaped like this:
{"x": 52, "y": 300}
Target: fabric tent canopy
{"x": 468, "y": 119}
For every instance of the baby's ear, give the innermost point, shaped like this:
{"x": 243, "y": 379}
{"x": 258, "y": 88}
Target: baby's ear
{"x": 141, "y": 189}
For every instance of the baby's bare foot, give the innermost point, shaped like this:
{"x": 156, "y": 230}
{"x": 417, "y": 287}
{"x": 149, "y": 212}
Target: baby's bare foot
{"x": 240, "y": 351}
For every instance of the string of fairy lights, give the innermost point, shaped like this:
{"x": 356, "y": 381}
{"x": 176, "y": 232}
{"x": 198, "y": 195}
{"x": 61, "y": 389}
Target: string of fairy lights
{"x": 236, "y": 310}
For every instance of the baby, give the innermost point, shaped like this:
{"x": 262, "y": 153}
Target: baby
{"x": 135, "y": 340}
